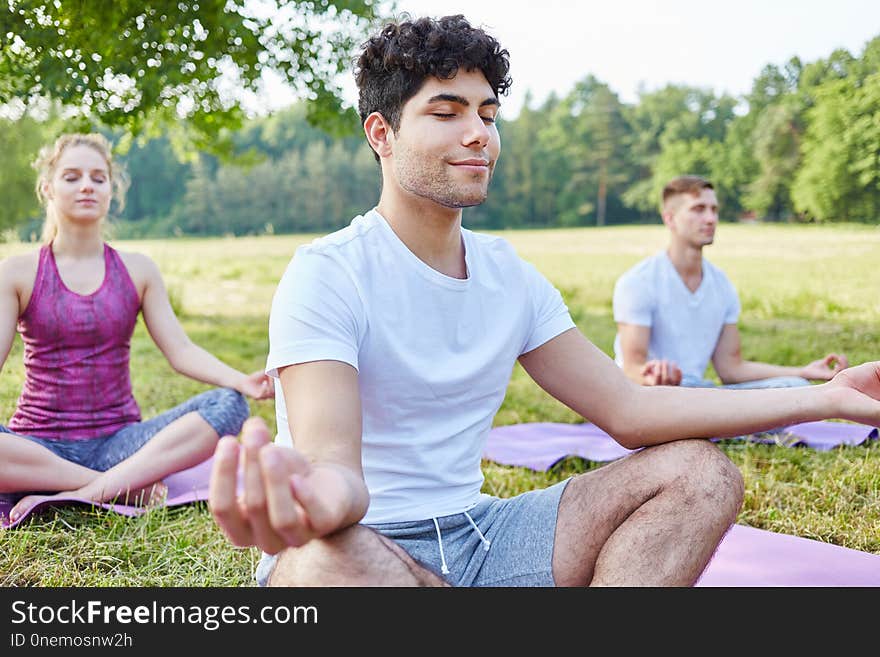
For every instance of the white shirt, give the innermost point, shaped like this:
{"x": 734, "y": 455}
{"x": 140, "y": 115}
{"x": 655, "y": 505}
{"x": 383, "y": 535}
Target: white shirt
{"x": 434, "y": 354}
{"x": 685, "y": 326}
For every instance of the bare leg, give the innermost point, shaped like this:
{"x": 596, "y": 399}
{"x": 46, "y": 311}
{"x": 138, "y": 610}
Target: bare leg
{"x": 355, "y": 556}
{"x": 25, "y": 465}
{"x": 653, "y": 518}
{"x": 186, "y": 442}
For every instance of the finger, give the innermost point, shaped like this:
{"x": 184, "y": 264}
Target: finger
{"x": 254, "y": 438}
{"x": 288, "y": 519}
{"x": 222, "y": 493}
{"x": 664, "y": 375}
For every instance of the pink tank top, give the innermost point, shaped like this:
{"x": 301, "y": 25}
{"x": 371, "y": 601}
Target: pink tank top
{"x": 76, "y": 348}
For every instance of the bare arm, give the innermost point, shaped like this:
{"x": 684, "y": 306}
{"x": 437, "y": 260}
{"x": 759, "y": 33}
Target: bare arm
{"x": 634, "y": 341}
{"x": 183, "y": 354}
{"x": 9, "y": 310}
{"x": 575, "y": 372}
{"x": 731, "y": 367}
{"x": 293, "y": 495}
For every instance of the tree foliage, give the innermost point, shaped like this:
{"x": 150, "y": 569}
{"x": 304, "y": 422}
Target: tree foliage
{"x": 142, "y": 65}
{"x": 19, "y": 143}
{"x": 802, "y": 145}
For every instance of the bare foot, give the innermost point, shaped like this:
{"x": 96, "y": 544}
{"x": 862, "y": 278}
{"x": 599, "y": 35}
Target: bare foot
{"x": 26, "y": 503}
{"x": 147, "y": 496}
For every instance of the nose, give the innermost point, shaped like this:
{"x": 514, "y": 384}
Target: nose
{"x": 86, "y": 185}
{"x": 478, "y": 132}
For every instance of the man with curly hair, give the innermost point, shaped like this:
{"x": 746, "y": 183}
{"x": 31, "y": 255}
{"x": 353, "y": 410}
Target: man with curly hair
{"x": 393, "y": 342}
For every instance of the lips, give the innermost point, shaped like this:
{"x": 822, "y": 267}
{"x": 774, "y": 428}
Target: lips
{"x": 475, "y": 162}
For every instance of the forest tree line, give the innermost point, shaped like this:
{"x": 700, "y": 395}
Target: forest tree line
{"x": 802, "y": 145}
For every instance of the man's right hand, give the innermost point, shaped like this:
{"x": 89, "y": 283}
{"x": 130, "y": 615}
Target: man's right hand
{"x": 660, "y": 372}
{"x": 285, "y": 501}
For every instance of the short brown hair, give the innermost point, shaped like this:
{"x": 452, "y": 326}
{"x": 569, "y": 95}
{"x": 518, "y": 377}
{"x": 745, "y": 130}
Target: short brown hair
{"x": 692, "y": 185}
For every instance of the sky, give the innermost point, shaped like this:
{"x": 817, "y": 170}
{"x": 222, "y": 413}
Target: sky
{"x": 631, "y": 43}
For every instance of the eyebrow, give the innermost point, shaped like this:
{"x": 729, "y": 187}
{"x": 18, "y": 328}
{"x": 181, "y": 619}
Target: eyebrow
{"x": 461, "y": 100}
{"x": 77, "y": 170}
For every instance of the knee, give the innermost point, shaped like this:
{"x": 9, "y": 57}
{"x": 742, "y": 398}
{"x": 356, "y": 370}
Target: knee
{"x": 355, "y": 556}
{"x": 707, "y": 477}
{"x": 320, "y": 562}
{"x": 228, "y": 409}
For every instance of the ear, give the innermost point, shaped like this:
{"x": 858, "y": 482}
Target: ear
{"x": 379, "y": 134}
{"x": 46, "y": 190}
{"x": 668, "y": 217}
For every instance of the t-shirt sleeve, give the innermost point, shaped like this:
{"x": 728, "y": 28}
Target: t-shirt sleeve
{"x": 550, "y": 315}
{"x": 317, "y": 314}
{"x": 632, "y": 301}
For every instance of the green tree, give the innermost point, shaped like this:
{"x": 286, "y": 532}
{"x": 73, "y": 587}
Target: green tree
{"x": 669, "y": 115}
{"x": 840, "y": 176}
{"x": 20, "y": 140}
{"x": 588, "y": 128}
{"x": 148, "y": 64}
{"x": 776, "y": 149}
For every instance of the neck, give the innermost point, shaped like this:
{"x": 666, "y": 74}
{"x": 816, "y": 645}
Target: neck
{"x": 431, "y": 231}
{"x": 687, "y": 259}
{"x": 78, "y": 241}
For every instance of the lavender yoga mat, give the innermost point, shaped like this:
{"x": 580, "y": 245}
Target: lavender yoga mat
{"x": 185, "y": 486}
{"x": 746, "y": 556}
{"x": 755, "y": 557}
{"x": 539, "y": 445}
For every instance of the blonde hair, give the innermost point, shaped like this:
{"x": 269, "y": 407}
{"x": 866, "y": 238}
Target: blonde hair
{"x": 47, "y": 161}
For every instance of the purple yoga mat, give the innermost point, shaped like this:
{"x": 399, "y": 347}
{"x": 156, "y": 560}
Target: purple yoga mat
{"x": 755, "y": 557}
{"x": 539, "y": 445}
{"x": 183, "y": 487}
{"x": 746, "y": 556}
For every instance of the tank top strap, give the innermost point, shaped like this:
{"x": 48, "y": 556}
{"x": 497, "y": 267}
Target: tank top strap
{"x": 46, "y": 274}
{"x": 114, "y": 266}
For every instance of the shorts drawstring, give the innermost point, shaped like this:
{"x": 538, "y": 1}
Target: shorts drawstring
{"x": 486, "y": 542}
{"x": 443, "y": 568}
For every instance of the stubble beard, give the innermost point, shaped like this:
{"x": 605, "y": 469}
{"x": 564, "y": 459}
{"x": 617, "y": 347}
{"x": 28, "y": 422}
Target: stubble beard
{"x": 435, "y": 184}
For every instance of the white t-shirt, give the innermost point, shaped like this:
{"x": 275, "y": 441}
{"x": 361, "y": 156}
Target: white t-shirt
{"x": 685, "y": 326}
{"x": 434, "y": 354}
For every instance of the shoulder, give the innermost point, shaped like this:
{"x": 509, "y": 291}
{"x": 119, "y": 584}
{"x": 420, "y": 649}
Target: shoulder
{"x": 19, "y": 271}
{"x": 140, "y": 266}
{"x": 717, "y": 273}
{"x": 495, "y": 249}
{"x": 362, "y": 231}
{"x": 641, "y": 273}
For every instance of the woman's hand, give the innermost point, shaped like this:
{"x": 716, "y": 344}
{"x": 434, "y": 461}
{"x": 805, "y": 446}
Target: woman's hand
{"x": 257, "y": 386}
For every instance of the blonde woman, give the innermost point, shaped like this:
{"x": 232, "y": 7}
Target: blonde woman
{"x": 77, "y": 430}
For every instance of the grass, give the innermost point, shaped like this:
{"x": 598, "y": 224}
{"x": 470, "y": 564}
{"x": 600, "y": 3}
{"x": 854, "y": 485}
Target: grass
{"x": 804, "y": 291}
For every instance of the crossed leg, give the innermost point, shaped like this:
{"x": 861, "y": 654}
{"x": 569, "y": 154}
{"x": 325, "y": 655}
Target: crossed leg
{"x": 187, "y": 441}
{"x": 653, "y": 518}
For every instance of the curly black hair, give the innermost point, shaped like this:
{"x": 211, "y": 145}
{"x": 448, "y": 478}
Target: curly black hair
{"x": 395, "y": 63}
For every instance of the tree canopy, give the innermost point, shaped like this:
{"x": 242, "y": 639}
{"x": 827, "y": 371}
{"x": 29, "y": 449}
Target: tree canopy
{"x": 142, "y": 65}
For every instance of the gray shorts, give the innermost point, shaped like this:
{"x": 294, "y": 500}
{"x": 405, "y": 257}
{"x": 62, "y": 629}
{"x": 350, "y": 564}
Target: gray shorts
{"x": 518, "y": 531}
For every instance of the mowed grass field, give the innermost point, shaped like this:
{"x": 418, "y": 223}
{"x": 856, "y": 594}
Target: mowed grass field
{"x": 805, "y": 290}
